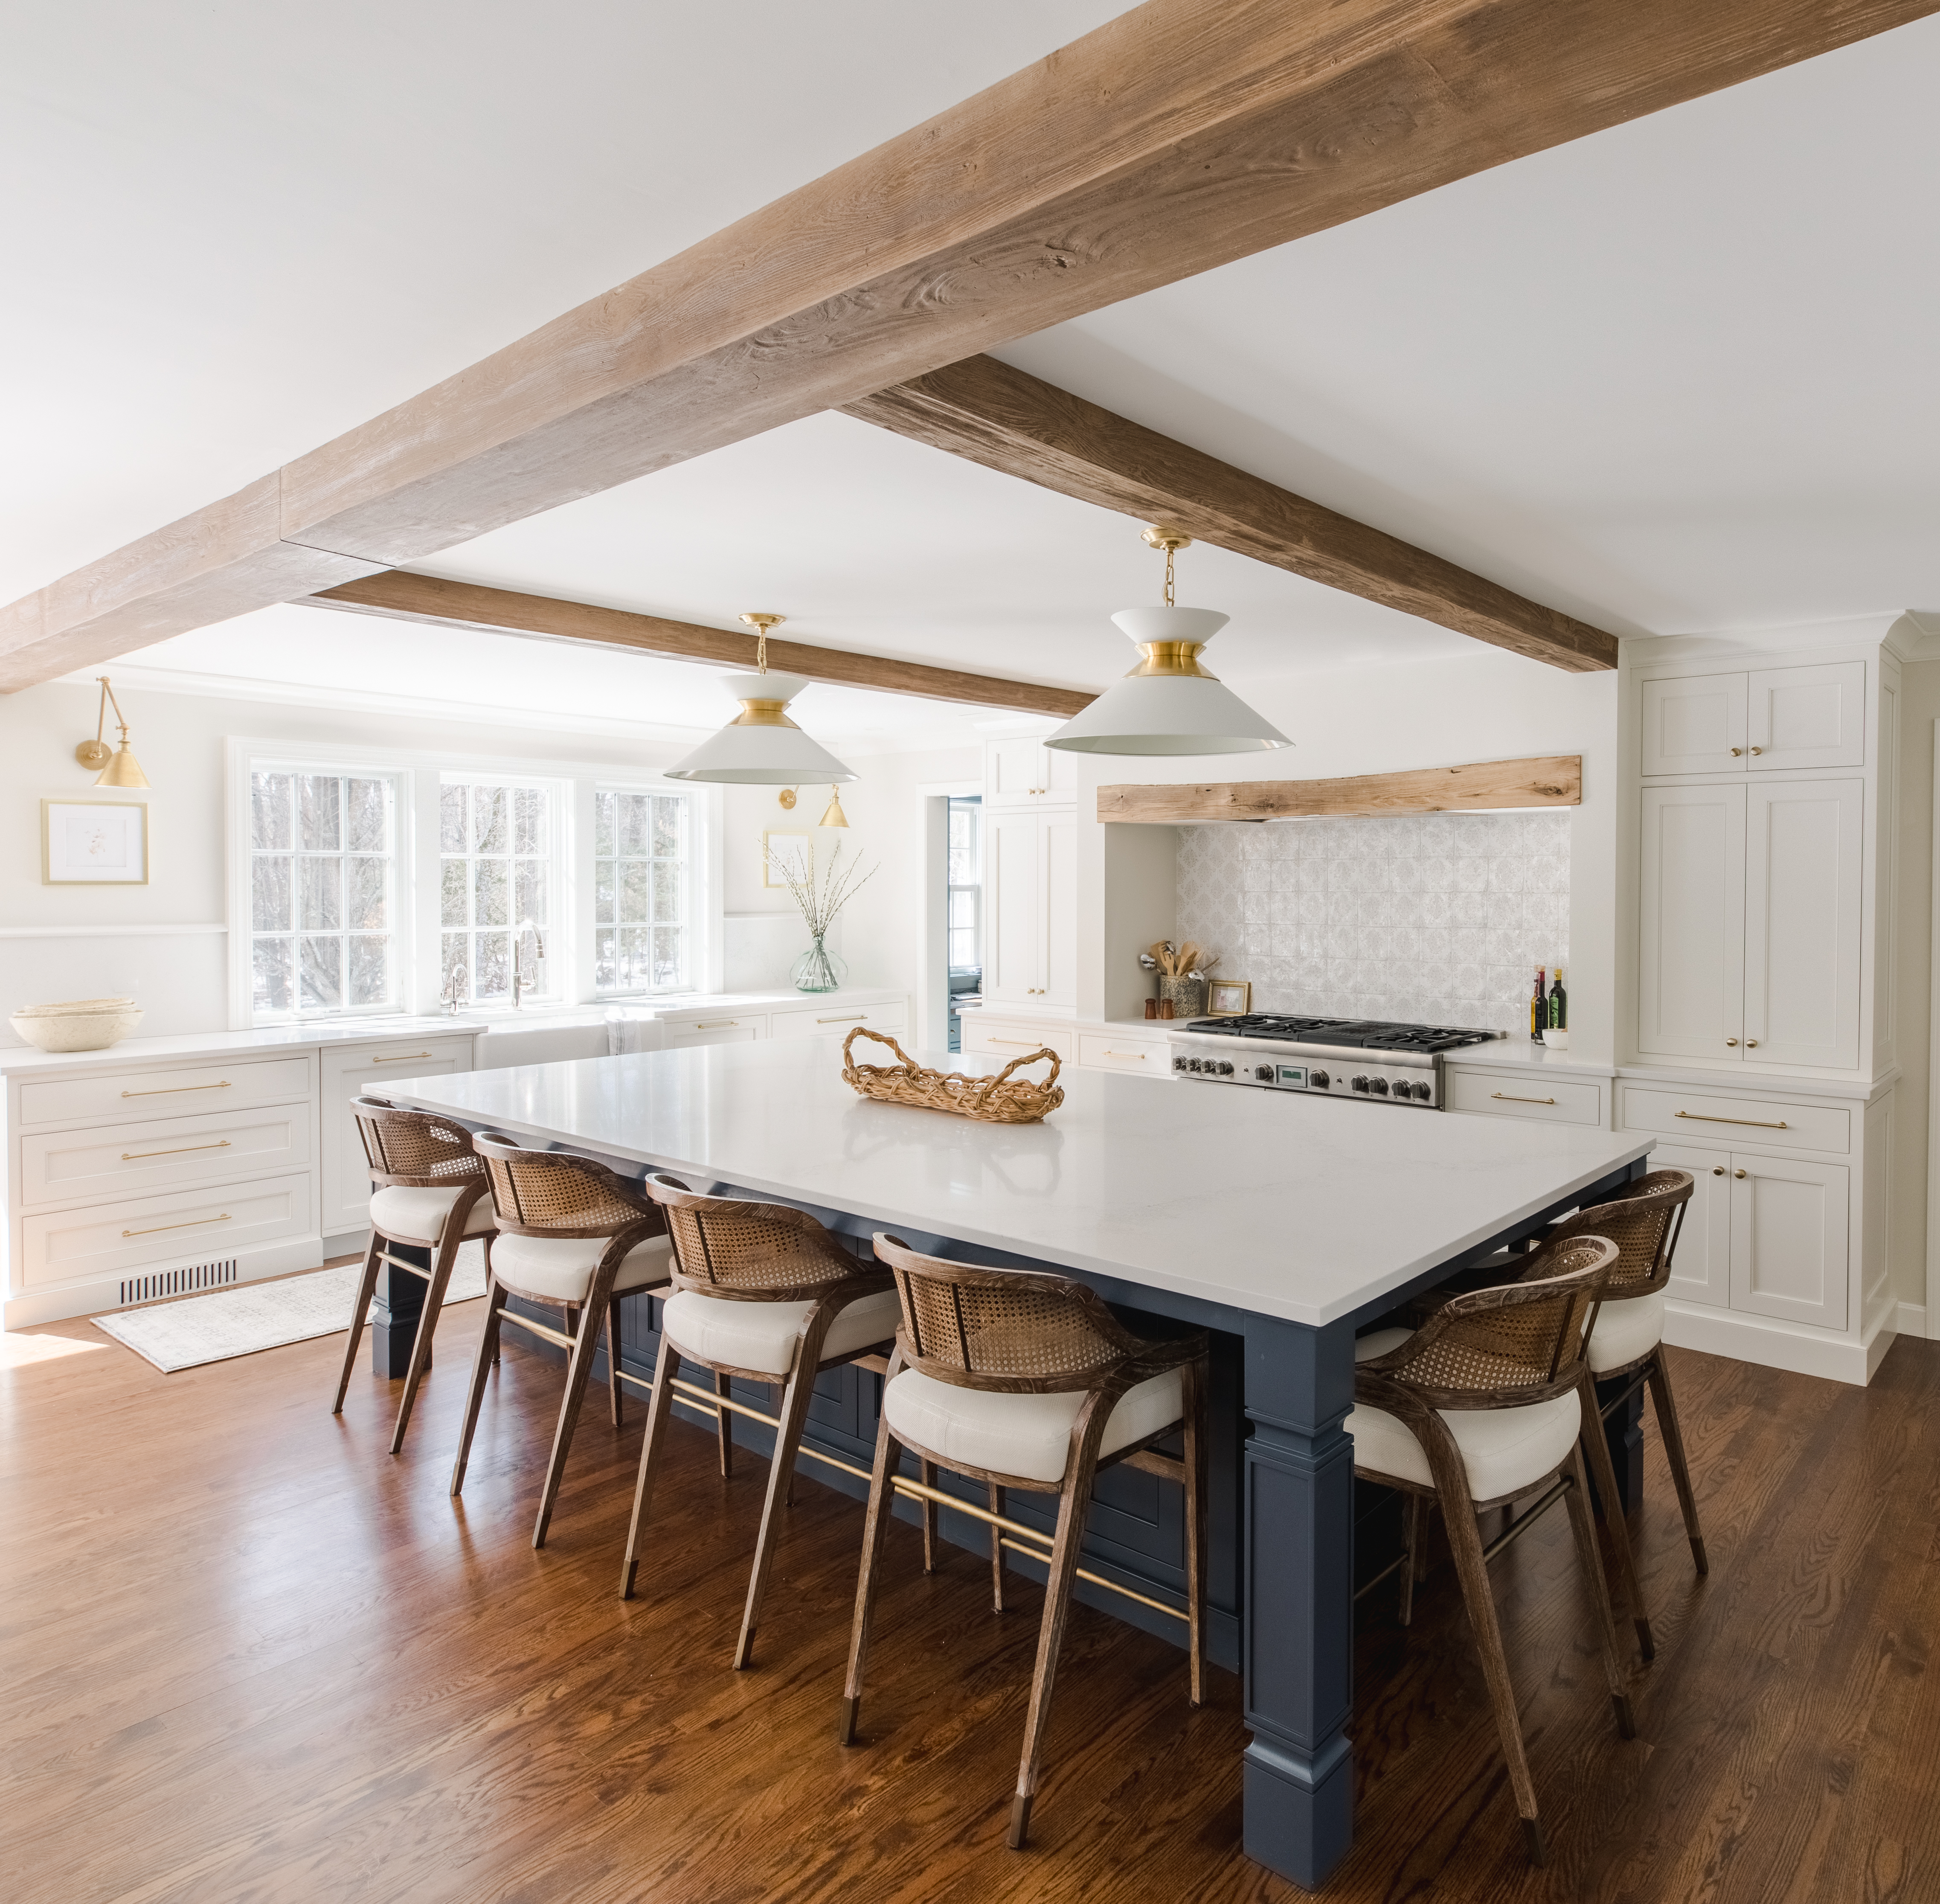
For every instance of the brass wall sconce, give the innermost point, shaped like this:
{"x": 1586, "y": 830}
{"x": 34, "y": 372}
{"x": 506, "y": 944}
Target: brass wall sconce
{"x": 119, "y": 768}
{"x": 832, "y": 814}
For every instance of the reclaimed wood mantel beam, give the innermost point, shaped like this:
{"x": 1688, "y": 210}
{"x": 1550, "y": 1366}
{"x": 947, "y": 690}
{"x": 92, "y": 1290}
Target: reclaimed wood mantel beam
{"x": 1008, "y": 419}
{"x": 1480, "y": 786}
{"x": 404, "y": 597}
{"x": 1183, "y": 135}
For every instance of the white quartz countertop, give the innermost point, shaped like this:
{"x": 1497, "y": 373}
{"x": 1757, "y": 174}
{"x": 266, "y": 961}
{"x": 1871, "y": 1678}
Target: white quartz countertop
{"x": 15, "y": 1060}
{"x": 1283, "y": 1206}
{"x": 1524, "y": 1053}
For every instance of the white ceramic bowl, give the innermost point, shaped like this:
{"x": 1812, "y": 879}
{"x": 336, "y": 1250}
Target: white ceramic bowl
{"x": 87, "y": 1024}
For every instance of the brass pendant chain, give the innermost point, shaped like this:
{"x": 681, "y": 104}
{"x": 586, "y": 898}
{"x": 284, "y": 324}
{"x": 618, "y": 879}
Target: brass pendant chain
{"x": 1168, "y": 576}
{"x": 761, "y": 652}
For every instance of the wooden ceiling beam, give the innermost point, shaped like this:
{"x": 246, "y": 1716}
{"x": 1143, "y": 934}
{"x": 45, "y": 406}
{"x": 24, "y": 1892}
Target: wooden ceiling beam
{"x": 1007, "y": 419}
{"x": 403, "y": 597}
{"x": 1488, "y": 785}
{"x": 1183, "y": 135}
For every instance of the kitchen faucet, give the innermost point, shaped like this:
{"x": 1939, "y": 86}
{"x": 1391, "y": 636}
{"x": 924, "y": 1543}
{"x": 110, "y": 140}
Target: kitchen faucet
{"x": 521, "y": 983}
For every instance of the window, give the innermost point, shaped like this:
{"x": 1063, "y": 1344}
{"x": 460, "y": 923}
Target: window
{"x": 320, "y": 897}
{"x": 496, "y": 858}
{"x": 965, "y": 924}
{"x": 642, "y": 886}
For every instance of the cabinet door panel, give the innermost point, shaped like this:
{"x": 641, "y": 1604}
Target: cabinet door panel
{"x": 1695, "y": 725}
{"x": 1808, "y": 717}
{"x": 1013, "y": 925}
{"x": 1013, "y": 773}
{"x": 1691, "y": 950}
{"x": 1789, "y": 1240}
{"x": 1057, "y": 850}
{"x": 1802, "y": 923}
{"x": 1701, "y": 1271}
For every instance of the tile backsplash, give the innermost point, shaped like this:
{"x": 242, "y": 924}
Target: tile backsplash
{"x": 1441, "y": 918}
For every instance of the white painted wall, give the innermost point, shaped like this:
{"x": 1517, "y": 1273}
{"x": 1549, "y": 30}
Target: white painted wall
{"x": 1919, "y": 708}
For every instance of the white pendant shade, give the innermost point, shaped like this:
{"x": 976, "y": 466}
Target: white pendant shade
{"x": 1168, "y": 704}
{"x": 762, "y": 746}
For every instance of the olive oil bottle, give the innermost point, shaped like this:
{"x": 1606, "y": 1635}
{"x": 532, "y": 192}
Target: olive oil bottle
{"x": 1559, "y": 1004}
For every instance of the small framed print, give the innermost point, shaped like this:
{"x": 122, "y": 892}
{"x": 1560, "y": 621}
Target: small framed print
{"x": 1228, "y": 998}
{"x": 784, "y": 852}
{"x": 94, "y": 843}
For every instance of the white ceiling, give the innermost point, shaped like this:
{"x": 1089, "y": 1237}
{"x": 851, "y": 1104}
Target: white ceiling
{"x": 1678, "y": 376}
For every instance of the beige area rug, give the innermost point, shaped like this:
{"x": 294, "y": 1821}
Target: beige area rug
{"x": 185, "y": 1333}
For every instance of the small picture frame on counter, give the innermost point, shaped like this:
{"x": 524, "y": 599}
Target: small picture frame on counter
{"x": 1228, "y": 998}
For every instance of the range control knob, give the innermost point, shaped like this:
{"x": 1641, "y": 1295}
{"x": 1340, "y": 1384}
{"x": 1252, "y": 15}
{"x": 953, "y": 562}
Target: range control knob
{"x": 1357, "y": 1084}
{"x": 1317, "y": 1081}
{"x": 1265, "y": 1072}
{"x": 1225, "y": 1070}
{"x": 1424, "y": 1092}
{"x": 1178, "y": 1064}
{"x": 1379, "y": 1086}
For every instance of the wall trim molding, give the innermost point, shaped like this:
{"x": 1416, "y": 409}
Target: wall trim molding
{"x": 199, "y": 930}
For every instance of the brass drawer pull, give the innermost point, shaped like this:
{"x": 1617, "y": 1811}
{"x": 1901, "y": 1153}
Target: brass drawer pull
{"x": 168, "y": 1091}
{"x": 1139, "y": 1055}
{"x": 1503, "y": 1097}
{"x": 181, "y": 1150}
{"x": 402, "y": 1057}
{"x": 1753, "y": 1123}
{"x": 194, "y": 1223}
{"x": 1737, "y": 1173}
{"x": 852, "y": 1017}
{"x": 1717, "y": 1170}
{"x": 716, "y": 1024}
{"x": 1736, "y": 752}
{"x": 1027, "y": 1043}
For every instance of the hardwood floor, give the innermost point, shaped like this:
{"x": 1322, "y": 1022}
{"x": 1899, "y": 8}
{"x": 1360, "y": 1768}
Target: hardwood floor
{"x": 246, "y": 1654}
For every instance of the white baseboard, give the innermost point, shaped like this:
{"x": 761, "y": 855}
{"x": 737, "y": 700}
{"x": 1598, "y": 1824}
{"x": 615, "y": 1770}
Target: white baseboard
{"x": 92, "y": 1298}
{"x": 1912, "y": 1320}
{"x": 1773, "y": 1344}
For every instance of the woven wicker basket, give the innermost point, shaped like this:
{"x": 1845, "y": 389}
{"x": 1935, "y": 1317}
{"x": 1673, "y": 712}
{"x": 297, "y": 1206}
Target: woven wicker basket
{"x": 995, "y": 1100}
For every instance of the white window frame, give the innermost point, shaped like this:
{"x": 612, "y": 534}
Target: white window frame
{"x": 659, "y": 787}
{"x": 560, "y": 940}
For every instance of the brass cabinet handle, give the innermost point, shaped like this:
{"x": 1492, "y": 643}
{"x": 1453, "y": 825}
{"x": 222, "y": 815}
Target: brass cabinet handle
{"x": 1736, "y": 752}
{"x": 1737, "y": 1173}
{"x": 1028, "y": 1043}
{"x": 1751, "y": 1044}
{"x": 1139, "y": 1055}
{"x": 401, "y": 1057}
{"x": 1753, "y": 1123}
{"x": 1757, "y": 750}
{"x": 716, "y": 1024}
{"x": 180, "y": 1150}
{"x": 193, "y": 1223}
{"x": 168, "y": 1091}
{"x": 1507, "y": 1099}
{"x": 1730, "y": 1041}
{"x": 1717, "y": 1170}
{"x": 854, "y": 1018}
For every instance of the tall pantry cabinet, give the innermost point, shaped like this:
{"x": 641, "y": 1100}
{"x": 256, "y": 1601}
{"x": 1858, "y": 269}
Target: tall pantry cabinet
{"x": 1763, "y": 1048}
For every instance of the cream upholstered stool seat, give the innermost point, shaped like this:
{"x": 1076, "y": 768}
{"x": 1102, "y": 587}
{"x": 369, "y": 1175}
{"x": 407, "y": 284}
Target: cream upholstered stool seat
{"x": 1477, "y": 1409}
{"x": 762, "y": 1291}
{"x": 1021, "y": 1379}
{"x": 573, "y": 1232}
{"x": 1624, "y": 1331}
{"x": 431, "y": 1193}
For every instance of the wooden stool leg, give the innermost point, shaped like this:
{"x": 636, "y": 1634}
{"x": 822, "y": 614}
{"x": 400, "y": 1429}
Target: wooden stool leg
{"x": 1673, "y": 1431}
{"x": 875, "y": 1532}
{"x": 926, "y": 1474}
{"x": 1071, "y": 1511}
{"x": 1416, "y": 1516}
{"x": 781, "y": 1471}
{"x": 481, "y": 1369}
{"x": 445, "y": 1255}
{"x": 579, "y": 1371}
{"x": 613, "y": 1360}
{"x": 1194, "y": 1386}
{"x": 723, "y": 1427}
{"x": 997, "y": 1498}
{"x": 1465, "y": 1542}
{"x": 1584, "y": 1523}
{"x": 367, "y": 1287}
{"x": 659, "y": 1405}
{"x": 1614, "y": 1517}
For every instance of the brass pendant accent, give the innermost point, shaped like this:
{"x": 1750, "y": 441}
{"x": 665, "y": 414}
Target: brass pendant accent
{"x": 1172, "y": 658}
{"x": 762, "y": 714}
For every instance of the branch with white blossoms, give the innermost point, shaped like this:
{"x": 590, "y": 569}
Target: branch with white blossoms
{"x": 840, "y": 884}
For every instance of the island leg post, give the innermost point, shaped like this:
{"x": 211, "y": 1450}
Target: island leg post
{"x": 1297, "y": 1635}
{"x": 396, "y": 1306}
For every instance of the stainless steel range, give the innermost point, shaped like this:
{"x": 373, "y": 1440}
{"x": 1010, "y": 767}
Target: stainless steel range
{"x": 1367, "y": 1058}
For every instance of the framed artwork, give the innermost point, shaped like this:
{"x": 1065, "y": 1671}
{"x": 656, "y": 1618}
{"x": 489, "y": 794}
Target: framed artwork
{"x": 94, "y": 843}
{"x": 1227, "y": 998}
{"x": 795, "y": 851}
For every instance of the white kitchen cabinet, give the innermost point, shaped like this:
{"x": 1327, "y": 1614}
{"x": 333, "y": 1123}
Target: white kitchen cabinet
{"x": 1025, "y": 772}
{"x": 348, "y": 1073}
{"x": 1691, "y": 922}
{"x": 1790, "y": 1254}
{"x": 1799, "y": 718}
{"x": 1030, "y": 908}
{"x": 1701, "y": 1271}
{"x": 1694, "y": 724}
{"x": 1803, "y": 887}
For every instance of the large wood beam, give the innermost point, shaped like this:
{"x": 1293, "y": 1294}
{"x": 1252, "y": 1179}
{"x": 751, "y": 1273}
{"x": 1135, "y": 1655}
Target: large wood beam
{"x": 1184, "y": 135}
{"x": 1007, "y": 419}
{"x": 404, "y": 597}
{"x": 1482, "y": 785}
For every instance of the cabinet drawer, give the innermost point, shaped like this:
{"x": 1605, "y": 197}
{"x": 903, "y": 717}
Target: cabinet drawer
{"x": 121, "y": 1097}
{"x": 1698, "y": 1118}
{"x": 1555, "y": 1100}
{"x": 131, "y": 1232}
{"x": 1005, "y": 1040}
{"x": 365, "y": 1067}
{"x": 837, "y": 1021}
{"x": 121, "y": 1160}
{"x": 684, "y": 1031}
{"x": 1105, "y": 1051}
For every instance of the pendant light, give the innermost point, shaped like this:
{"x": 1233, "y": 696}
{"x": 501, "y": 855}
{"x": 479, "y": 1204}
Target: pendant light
{"x": 118, "y": 769}
{"x": 1168, "y": 704}
{"x": 762, "y": 746}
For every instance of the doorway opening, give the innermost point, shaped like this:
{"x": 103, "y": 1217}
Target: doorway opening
{"x": 963, "y": 910}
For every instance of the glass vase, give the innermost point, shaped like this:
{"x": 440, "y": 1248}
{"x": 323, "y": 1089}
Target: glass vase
{"x": 818, "y": 969}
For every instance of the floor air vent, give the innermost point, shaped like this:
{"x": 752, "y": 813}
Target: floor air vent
{"x": 179, "y": 1281}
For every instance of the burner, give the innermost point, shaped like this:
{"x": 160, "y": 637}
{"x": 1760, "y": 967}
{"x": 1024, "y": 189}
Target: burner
{"x": 1364, "y": 1034}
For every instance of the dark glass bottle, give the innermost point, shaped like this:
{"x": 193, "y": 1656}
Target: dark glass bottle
{"x": 1539, "y": 1008}
{"x": 1559, "y": 1004}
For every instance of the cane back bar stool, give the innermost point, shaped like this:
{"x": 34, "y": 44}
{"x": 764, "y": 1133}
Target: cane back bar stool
{"x": 1024, "y": 1379}
{"x": 1476, "y": 1408}
{"x": 431, "y": 1193}
{"x": 575, "y": 1234}
{"x": 762, "y": 1291}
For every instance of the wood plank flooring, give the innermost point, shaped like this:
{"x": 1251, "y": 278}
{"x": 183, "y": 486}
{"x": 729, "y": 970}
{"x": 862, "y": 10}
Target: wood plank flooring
{"x": 245, "y": 1655}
